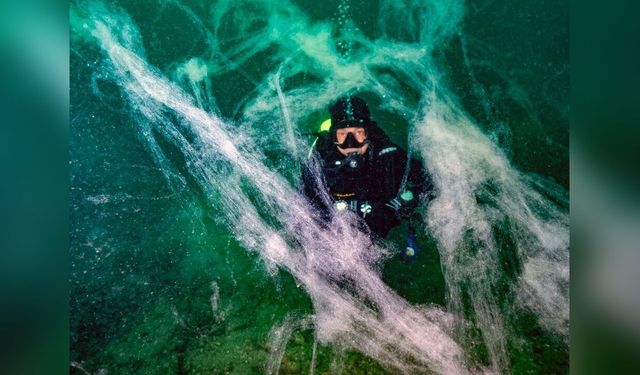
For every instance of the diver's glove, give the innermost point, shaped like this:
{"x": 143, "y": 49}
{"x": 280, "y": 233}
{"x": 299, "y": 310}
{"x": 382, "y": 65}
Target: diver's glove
{"x": 403, "y": 204}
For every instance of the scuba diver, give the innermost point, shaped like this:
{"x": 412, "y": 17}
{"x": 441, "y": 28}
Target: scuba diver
{"x": 359, "y": 167}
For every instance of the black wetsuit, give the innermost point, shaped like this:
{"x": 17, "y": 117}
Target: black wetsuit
{"x": 368, "y": 189}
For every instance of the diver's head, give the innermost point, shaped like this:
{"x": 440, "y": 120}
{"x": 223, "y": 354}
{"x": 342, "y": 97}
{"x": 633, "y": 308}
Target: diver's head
{"x": 350, "y": 120}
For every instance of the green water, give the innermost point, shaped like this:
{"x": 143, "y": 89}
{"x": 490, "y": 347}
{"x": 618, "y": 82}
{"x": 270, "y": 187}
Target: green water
{"x": 167, "y": 275}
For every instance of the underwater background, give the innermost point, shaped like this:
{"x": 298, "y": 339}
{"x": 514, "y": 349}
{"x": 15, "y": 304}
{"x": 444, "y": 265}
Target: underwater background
{"x": 192, "y": 250}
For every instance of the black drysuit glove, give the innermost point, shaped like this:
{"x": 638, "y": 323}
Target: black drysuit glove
{"x": 403, "y": 204}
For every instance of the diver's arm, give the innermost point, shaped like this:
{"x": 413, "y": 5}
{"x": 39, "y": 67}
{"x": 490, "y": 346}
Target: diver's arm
{"x": 405, "y": 197}
{"x": 422, "y": 181}
{"x": 312, "y": 183}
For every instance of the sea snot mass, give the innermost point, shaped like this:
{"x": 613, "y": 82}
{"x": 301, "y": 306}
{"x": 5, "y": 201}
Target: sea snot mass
{"x": 193, "y": 250}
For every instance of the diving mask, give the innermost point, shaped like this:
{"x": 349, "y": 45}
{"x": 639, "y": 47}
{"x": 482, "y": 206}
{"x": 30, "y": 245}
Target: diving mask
{"x": 350, "y": 137}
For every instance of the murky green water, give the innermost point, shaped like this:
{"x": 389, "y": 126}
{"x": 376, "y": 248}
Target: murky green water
{"x": 191, "y": 250}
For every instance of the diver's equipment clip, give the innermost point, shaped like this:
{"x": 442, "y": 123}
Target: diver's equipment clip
{"x": 365, "y": 208}
{"x": 340, "y": 205}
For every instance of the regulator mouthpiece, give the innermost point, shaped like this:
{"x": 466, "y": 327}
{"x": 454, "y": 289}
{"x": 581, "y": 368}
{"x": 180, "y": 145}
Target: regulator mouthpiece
{"x": 354, "y": 161}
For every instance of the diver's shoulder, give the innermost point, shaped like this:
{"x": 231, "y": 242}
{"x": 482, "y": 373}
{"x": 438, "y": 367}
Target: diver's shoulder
{"x": 381, "y": 143}
{"x": 388, "y": 149}
{"x": 323, "y": 145}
